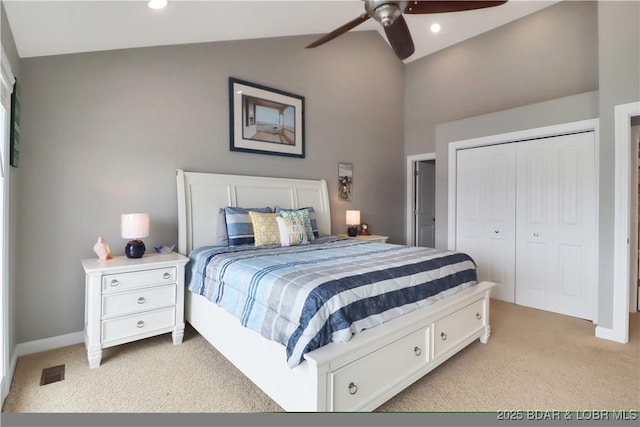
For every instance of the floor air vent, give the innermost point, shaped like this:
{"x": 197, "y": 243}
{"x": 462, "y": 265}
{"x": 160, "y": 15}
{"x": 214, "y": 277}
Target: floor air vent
{"x": 52, "y": 374}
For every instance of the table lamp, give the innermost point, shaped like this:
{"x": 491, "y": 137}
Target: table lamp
{"x": 353, "y": 221}
{"x": 134, "y": 227}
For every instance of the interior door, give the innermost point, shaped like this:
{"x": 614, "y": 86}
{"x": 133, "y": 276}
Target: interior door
{"x": 556, "y": 224}
{"x": 425, "y": 203}
{"x": 485, "y": 214}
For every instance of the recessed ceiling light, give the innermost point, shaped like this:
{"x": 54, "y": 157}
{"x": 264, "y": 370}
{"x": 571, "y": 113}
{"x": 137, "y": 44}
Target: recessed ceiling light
{"x": 435, "y": 28}
{"x": 157, "y": 4}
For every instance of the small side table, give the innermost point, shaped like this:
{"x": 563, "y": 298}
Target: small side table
{"x": 370, "y": 237}
{"x": 128, "y": 299}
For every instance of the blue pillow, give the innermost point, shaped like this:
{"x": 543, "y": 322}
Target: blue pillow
{"x": 239, "y": 227}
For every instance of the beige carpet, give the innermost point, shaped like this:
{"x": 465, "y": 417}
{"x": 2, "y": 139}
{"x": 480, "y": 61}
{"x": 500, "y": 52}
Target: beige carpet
{"x": 534, "y": 360}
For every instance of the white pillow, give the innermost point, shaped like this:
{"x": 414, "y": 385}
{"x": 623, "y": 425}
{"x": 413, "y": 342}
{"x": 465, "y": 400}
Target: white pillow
{"x": 292, "y": 231}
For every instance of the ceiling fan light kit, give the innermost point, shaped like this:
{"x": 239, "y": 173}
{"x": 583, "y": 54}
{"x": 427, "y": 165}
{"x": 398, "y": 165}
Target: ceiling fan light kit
{"x": 389, "y": 14}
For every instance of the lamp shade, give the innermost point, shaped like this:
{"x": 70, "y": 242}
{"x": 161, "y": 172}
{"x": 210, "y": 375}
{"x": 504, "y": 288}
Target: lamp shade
{"x": 135, "y": 226}
{"x": 353, "y": 217}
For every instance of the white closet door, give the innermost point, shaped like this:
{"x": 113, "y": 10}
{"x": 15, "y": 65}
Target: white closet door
{"x": 556, "y": 225}
{"x": 485, "y": 214}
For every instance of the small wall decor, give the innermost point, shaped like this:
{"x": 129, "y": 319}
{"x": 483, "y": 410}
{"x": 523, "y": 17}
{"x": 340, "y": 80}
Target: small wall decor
{"x": 265, "y": 120}
{"x": 14, "y": 133}
{"x": 345, "y": 181}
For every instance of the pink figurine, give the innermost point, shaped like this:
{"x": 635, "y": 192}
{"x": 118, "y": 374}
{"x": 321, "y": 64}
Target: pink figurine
{"x": 102, "y": 249}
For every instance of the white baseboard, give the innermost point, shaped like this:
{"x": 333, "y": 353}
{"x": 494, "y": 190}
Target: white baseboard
{"x": 611, "y": 335}
{"x": 8, "y": 378}
{"x": 36, "y": 347}
{"x": 49, "y": 343}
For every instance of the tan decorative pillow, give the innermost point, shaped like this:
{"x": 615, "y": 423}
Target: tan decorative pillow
{"x": 265, "y": 228}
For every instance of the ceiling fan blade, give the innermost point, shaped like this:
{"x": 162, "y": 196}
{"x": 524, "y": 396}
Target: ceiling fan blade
{"x": 420, "y": 7}
{"x": 400, "y": 38}
{"x": 339, "y": 31}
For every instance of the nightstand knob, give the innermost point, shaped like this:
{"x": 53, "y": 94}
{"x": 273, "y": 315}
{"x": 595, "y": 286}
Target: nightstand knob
{"x": 140, "y": 324}
{"x": 443, "y": 336}
{"x": 141, "y": 300}
{"x": 478, "y": 316}
{"x": 114, "y": 282}
{"x": 166, "y": 276}
{"x": 417, "y": 350}
{"x": 353, "y": 389}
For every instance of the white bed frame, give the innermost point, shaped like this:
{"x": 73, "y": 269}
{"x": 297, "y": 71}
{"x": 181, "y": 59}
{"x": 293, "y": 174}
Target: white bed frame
{"x": 359, "y": 375}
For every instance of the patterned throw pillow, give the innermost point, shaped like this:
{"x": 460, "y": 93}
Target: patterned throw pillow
{"x": 239, "y": 227}
{"x": 265, "y": 228}
{"x": 303, "y": 214}
{"x": 292, "y": 231}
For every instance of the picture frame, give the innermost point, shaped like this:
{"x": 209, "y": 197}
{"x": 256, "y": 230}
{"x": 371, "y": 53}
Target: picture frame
{"x": 345, "y": 181}
{"x": 265, "y": 120}
{"x": 14, "y": 128}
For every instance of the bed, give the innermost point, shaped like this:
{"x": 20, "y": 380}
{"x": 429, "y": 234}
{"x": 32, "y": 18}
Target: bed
{"x": 333, "y": 375}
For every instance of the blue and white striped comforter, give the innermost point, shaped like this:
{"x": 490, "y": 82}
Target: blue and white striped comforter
{"x": 310, "y": 295}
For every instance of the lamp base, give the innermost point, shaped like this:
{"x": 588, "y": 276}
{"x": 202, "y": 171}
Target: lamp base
{"x": 352, "y": 231}
{"x": 135, "y": 249}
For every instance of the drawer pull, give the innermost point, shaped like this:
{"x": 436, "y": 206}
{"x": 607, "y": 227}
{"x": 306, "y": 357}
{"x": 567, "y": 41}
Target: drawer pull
{"x": 141, "y": 300}
{"x": 140, "y": 324}
{"x": 478, "y": 316}
{"x": 166, "y": 276}
{"x": 114, "y": 282}
{"x": 417, "y": 350}
{"x": 353, "y": 389}
{"x": 443, "y": 336}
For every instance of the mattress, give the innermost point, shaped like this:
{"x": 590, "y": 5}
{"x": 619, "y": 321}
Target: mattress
{"x": 307, "y": 296}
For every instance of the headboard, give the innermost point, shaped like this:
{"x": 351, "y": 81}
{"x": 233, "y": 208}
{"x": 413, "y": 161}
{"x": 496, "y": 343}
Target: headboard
{"x": 201, "y": 195}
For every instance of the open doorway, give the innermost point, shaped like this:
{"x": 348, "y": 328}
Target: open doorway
{"x": 421, "y": 200}
{"x": 624, "y": 251}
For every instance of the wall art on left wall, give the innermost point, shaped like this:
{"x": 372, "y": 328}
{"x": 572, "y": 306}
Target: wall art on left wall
{"x": 14, "y": 150}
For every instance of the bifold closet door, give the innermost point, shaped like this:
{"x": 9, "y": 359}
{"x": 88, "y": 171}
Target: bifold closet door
{"x": 556, "y": 224}
{"x": 485, "y": 213}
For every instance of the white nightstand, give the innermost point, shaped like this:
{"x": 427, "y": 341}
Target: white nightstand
{"x": 371, "y": 237}
{"x": 127, "y": 299}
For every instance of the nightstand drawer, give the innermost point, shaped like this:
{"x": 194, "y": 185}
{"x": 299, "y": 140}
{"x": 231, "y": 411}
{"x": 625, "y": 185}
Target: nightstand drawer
{"x": 136, "y": 324}
{"x": 135, "y": 279}
{"x": 120, "y": 303}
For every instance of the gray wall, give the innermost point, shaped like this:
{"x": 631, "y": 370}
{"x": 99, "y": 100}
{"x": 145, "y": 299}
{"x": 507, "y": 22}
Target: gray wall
{"x": 571, "y": 61}
{"x": 619, "y": 48}
{"x": 13, "y": 176}
{"x": 103, "y": 133}
{"x": 543, "y": 56}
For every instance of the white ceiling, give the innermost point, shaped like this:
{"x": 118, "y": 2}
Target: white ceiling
{"x": 56, "y": 27}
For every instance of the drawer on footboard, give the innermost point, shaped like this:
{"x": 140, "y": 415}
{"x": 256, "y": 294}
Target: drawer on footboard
{"x": 456, "y": 327}
{"x": 361, "y": 381}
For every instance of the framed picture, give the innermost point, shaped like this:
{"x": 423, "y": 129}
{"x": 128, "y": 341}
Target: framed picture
{"x": 265, "y": 120}
{"x": 14, "y": 129}
{"x": 345, "y": 181}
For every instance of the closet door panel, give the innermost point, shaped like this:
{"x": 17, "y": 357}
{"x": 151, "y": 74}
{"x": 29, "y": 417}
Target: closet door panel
{"x": 555, "y": 262}
{"x": 485, "y": 214}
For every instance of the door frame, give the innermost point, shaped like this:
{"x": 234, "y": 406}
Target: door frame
{"x": 410, "y": 207}
{"x": 622, "y": 224}
{"x": 7, "y": 78}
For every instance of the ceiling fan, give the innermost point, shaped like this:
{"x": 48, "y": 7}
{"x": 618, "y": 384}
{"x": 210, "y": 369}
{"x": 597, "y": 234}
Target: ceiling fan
{"x": 389, "y": 14}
